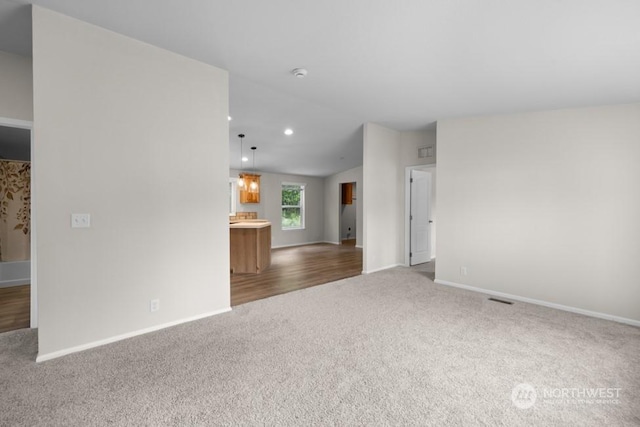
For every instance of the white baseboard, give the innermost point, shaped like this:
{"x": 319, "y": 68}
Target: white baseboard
{"x": 382, "y": 268}
{"x": 59, "y": 353}
{"x": 542, "y": 303}
{"x": 310, "y": 243}
{"x": 336, "y": 243}
{"x": 301, "y": 244}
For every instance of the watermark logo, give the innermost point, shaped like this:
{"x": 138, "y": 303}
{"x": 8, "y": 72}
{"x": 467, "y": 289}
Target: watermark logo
{"x": 582, "y": 396}
{"x": 524, "y": 396}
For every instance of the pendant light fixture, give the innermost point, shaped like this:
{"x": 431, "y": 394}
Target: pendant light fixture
{"x": 241, "y": 182}
{"x": 254, "y": 187}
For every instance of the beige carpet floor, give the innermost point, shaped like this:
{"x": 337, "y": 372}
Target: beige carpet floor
{"x": 390, "y": 348}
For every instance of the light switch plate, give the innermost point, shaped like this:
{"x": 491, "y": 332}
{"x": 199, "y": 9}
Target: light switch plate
{"x": 80, "y": 220}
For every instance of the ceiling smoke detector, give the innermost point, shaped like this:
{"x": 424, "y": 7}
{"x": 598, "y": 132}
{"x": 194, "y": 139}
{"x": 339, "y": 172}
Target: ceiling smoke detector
{"x": 300, "y": 73}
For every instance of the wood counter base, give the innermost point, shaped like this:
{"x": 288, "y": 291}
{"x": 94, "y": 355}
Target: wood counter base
{"x": 250, "y": 249}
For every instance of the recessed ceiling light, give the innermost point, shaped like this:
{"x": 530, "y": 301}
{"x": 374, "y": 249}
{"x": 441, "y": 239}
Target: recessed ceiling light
{"x": 229, "y": 118}
{"x": 245, "y": 159}
{"x": 288, "y": 132}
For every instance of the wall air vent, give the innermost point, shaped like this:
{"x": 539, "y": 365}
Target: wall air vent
{"x": 424, "y": 152}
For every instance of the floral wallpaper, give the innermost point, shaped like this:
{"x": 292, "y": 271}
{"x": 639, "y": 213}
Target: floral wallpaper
{"x": 15, "y": 210}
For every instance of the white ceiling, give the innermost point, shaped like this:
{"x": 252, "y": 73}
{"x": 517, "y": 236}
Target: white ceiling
{"x": 400, "y": 63}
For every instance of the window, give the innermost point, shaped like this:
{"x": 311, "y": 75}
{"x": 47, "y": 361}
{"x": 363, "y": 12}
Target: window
{"x": 232, "y": 196}
{"x": 292, "y": 206}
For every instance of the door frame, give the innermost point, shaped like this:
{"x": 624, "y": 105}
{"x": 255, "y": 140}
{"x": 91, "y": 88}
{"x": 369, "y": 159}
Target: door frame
{"x": 340, "y": 211}
{"x": 24, "y": 124}
{"x": 407, "y": 207}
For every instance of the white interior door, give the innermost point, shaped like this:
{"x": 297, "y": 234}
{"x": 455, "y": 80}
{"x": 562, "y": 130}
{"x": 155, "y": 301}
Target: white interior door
{"x": 420, "y": 217}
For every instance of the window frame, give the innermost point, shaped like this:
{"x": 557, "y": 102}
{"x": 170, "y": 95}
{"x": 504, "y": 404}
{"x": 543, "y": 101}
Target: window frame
{"x": 302, "y": 206}
{"x": 234, "y": 195}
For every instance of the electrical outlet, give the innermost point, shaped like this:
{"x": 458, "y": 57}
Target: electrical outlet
{"x": 463, "y": 271}
{"x": 80, "y": 220}
{"x": 154, "y": 305}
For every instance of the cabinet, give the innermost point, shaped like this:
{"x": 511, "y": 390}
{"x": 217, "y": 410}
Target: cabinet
{"x": 347, "y": 193}
{"x": 250, "y": 247}
{"x": 246, "y": 195}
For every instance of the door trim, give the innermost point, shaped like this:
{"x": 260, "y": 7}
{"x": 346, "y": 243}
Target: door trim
{"x": 407, "y": 207}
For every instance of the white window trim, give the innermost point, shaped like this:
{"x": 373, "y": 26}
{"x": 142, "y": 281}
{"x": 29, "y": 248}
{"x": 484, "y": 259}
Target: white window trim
{"x": 302, "y": 206}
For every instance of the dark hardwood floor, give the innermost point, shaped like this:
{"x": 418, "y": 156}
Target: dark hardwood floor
{"x": 296, "y": 268}
{"x": 15, "y": 306}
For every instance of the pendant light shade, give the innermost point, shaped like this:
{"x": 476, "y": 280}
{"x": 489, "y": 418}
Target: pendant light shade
{"x": 254, "y": 187}
{"x": 248, "y": 182}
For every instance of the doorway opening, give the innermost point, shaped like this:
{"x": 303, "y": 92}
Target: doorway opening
{"x": 17, "y": 289}
{"x": 420, "y": 214}
{"x": 348, "y": 210}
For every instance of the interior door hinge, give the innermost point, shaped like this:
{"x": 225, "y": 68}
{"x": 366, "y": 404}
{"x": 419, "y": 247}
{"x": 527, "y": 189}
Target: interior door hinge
{"x": 410, "y": 254}
{"x": 410, "y": 217}
{"x": 411, "y": 180}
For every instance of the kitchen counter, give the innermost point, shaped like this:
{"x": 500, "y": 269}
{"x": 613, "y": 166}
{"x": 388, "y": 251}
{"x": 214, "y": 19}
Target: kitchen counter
{"x": 249, "y": 223}
{"x": 250, "y": 244}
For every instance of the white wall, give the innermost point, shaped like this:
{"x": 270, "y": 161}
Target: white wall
{"x": 544, "y": 206}
{"x": 138, "y": 137}
{"x": 383, "y": 202}
{"x": 409, "y": 144}
{"x": 387, "y": 153}
{"x": 16, "y": 87}
{"x": 270, "y": 208}
{"x": 332, "y": 204}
